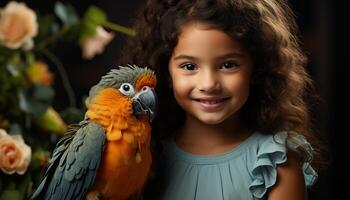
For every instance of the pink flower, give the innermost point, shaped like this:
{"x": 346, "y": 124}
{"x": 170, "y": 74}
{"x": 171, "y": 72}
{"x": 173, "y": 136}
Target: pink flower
{"x": 95, "y": 45}
{"x": 18, "y": 26}
{"x": 15, "y": 155}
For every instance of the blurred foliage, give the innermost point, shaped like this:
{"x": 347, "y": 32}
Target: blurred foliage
{"x": 26, "y": 91}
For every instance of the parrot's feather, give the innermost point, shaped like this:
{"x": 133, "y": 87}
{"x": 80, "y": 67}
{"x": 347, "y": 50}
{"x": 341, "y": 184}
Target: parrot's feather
{"x": 114, "y": 78}
{"x": 73, "y": 167}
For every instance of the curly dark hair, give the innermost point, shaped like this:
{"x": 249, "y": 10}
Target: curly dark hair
{"x": 266, "y": 28}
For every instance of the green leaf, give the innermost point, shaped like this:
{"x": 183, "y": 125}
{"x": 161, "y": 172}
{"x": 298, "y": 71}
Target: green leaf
{"x": 8, "y": 89}
{"x": 11, "y": 194}
{"x": 30, "y": 58}
{"x": 45, "y": 26}
{"x": 52, "y": 121}
{"x": 23, "y": 101}
{"x": 95, "y": 15}
{"x": 5, "y": 53}
{"x": 72, "y": 33}
{"x": 42, "y": 92}
{"x": 24, "y": 184}
{"x": 36, "y": 99}
{"x": 14, "y": 65}
{"x": 66, "y": 14}
{"x": 34, "y": 164}
{"x": 72, "y": 115}
{"x": 14, "y": 69}
{"x": 88, "y": 30}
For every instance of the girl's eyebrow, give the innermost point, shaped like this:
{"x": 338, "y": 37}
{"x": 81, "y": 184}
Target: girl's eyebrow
{"x": 183, "y": 56}
{"x": 224, "y": 56}
{"x": 231, "y": 55}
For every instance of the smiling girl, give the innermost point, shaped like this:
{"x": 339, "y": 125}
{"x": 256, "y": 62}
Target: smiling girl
{"x": 233, "y": 120}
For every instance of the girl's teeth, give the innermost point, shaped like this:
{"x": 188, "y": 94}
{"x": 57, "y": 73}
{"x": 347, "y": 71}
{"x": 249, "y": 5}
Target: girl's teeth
{"x": 210, "y": 102}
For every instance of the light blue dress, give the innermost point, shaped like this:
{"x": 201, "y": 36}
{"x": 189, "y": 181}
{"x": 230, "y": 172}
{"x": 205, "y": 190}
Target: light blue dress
{"x": 244, "y": 173}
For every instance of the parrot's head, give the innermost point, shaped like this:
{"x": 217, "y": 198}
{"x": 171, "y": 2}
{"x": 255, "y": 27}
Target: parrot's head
{"x": 126, "y": 90}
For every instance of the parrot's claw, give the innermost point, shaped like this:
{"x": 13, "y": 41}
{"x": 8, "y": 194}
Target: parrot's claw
{"x": 94, "y": 195}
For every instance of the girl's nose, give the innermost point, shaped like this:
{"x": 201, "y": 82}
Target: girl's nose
{"x": 208, "y": 82}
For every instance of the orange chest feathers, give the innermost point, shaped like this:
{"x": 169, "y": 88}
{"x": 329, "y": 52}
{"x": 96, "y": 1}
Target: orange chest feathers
{"x": 127, "y": 158}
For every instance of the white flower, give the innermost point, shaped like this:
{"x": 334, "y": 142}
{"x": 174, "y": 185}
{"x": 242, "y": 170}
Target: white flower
{"x": 96, "y": 44}
{"x": 18, "y": 26}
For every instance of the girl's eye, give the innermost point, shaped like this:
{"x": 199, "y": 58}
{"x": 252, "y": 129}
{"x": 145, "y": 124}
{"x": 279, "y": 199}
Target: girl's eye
{"x": 127, "y": 89}
{"x": 229, "y": 65}
{"x": 188, "y": 66}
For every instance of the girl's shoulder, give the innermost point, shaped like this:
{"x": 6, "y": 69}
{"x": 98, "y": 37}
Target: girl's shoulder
{"x": 272, "y": 151}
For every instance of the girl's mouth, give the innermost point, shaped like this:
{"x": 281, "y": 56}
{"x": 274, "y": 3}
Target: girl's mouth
{"x": 211, "y": 104}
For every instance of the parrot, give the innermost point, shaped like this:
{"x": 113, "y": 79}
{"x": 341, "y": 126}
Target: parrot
{"x": 107, "y": 155}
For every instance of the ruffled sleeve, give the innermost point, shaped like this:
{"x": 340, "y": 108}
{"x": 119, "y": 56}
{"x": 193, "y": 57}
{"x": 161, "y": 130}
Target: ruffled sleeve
{"x": 273, "y": 151}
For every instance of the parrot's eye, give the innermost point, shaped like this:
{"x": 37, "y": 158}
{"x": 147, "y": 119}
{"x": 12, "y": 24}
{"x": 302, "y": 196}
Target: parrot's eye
{"x": 127, "y": 89}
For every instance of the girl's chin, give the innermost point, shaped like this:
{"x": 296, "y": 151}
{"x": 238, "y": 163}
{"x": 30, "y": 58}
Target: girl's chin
{"x": 215, "y": 118}
{"x": 211, "y": 120}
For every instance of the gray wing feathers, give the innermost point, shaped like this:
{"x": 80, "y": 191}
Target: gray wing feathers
{"x": 78, "y": 165}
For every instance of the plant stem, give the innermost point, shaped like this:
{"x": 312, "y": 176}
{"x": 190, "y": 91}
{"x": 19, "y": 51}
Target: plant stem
{"x": 51, "y": 39}
{"x": 119, "y": 28}
{"x": 63, "y": 74}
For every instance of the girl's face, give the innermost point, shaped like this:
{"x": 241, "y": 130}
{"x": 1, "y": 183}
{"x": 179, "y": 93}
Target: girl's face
{"x": 210, "y": 73}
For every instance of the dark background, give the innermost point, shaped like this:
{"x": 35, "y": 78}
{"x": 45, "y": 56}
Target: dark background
{"x": 322, "y": 24}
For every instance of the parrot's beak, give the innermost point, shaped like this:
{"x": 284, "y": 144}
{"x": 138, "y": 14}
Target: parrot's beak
{"x": 145, "y": 103}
